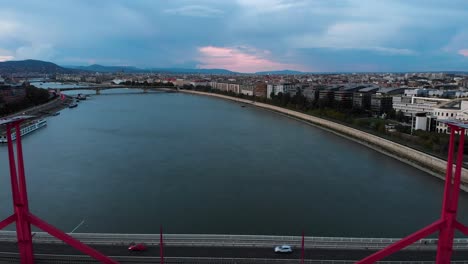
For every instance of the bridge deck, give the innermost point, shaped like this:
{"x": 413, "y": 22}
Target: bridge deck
{"x": 222, "y": 249}
{"x": 235, "y": 240}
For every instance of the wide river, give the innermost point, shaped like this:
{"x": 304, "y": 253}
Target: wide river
{"x": 127, "y": 162}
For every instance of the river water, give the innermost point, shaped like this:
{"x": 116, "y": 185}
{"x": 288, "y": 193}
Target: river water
{"x": 127, "y": 162}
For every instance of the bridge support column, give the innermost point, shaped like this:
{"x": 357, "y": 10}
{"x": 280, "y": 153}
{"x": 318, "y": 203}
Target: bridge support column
{"x": 22, "y": 216}
{"x": 447, "y": 223}
{"x": 98, "y": 91}
{"x": 145, "y": 90}
{"x": 20, "y": 197}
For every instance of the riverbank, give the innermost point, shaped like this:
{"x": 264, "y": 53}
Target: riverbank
{"x": 433, "y": 165}
{"x": 46, "y": 109}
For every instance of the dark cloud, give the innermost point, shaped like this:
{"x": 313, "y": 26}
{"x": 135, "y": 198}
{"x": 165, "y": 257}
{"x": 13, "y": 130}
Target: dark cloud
{"x": 319, "y": 35}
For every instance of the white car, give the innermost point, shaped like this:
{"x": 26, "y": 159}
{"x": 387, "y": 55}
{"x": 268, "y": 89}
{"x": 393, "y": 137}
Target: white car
{"x": 283, "y": 249}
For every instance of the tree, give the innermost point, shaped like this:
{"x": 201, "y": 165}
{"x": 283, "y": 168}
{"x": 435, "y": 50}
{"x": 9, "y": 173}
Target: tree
{"x": 285, "y": 98}
{"x": 399, "y": 116}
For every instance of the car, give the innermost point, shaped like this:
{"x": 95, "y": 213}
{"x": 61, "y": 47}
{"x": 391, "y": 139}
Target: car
{"x": 283, "y": 249}
{"x": 137, "y": 247}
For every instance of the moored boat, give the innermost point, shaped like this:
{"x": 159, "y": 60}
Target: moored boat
{"x": 28, "y": 128}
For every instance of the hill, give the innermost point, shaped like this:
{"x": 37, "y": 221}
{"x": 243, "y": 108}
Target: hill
{"x": 101, "y": 68}
{"x": 131, "y": 69}
{"x": 283, "y": 72}
{"x": 193, "y": 71}
{"x": 31, "y": 66}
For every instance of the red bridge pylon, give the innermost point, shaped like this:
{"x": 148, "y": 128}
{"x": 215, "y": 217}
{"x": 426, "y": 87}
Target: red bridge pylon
{"x": 21, "y": 215}
{"x": 448, "y": 223}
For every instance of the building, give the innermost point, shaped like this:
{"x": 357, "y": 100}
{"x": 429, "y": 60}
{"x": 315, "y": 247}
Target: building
{"x": 69, "y": 77}
{"x": 234, "y": 87}
{"x": 410, "y": 106}
{"x": 456, "y": 109}
{"x": 247, "y": 89}
{"x": 464, "y": 83}
{"x": 198, "y": 83}
{"x": 343, "y": 98}
{"x": 281, "y": 88}
{"x": 422, "y": 122}
{"x": 219, "y": 86}
{"x": 260, "y": 89}
{"x": 179, "y": 82}
{"x": 381, "y": 104}
{"x": 91, "y": 79}
{"x": 391, "y": 91}
{"x": 311, "y": 93}
{"x": 361, "y": 100}
{"x": 118, "y": 81}
{"x": 326, "y": 96}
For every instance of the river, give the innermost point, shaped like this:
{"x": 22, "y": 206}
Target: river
{"x": 127, "y": 162}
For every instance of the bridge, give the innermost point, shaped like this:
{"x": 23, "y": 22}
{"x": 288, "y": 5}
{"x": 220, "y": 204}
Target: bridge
{"x": 189, "y": 248}
{"x": 26, "y": 246}
{"x": 99, "y": 88}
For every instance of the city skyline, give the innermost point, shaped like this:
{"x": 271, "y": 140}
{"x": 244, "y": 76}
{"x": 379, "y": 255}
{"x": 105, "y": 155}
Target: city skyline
{"x": 242, "y": 36}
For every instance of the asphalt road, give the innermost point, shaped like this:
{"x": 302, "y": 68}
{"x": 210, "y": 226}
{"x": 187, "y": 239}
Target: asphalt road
{"x": 234, "y": 252}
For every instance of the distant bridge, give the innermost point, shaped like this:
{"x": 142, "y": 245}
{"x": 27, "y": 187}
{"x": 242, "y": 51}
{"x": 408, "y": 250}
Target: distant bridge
{"x": 99, "y": 88}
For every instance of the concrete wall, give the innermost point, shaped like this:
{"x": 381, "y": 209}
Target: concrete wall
{"x": 409, "y": 155}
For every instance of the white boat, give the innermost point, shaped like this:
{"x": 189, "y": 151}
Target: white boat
{"x": 25, "y": 129}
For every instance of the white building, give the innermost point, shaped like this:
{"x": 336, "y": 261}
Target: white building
{"x": 421, "y": 123}
{"x": 275, "y": 89}
{"x": 234, "y": 87}
{"x": 118, "y": 81}
{"x": 460, "y": 94}
{"x": 281, "y": 88}
{"x": 198, "y": 83}
{"x": 419, "y": 109}
{"x": 454, "y": 110}
{"x": 410, "y": 106}
{"x": 247, "y": 89}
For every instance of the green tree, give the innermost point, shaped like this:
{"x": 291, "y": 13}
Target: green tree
{"x": 399, "y": 116}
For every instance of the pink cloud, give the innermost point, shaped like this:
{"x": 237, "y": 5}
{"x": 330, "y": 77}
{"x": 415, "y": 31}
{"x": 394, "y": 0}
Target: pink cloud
{"x": 6, "y": 58}
{"x": 241, "y": 59}
{"x": 463, "y": 52}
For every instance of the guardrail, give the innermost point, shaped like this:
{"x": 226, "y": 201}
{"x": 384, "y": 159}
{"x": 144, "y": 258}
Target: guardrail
{"x": 236, "y": 240}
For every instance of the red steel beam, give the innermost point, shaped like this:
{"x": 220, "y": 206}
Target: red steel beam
{"x": 69, "y": 240}
{"x": 402, "y": 243}
{"x": 449, "y": 213}
{"x": 24, "y": 245}
{"x": 448, "y": 174}
{"x": 7, "y": 221}
{"x": 461, "y": 227}
{"x": 22, "y": 191}
{"x": 23, "y": 217}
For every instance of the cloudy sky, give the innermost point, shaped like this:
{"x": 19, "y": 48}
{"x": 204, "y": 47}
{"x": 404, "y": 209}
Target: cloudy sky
{"x": 240, "y": 35}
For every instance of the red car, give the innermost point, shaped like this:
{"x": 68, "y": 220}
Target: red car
{"x": 137, "y": 247}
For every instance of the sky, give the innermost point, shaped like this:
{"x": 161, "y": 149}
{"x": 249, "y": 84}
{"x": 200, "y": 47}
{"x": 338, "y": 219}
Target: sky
{"x": 240, "y": 35}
